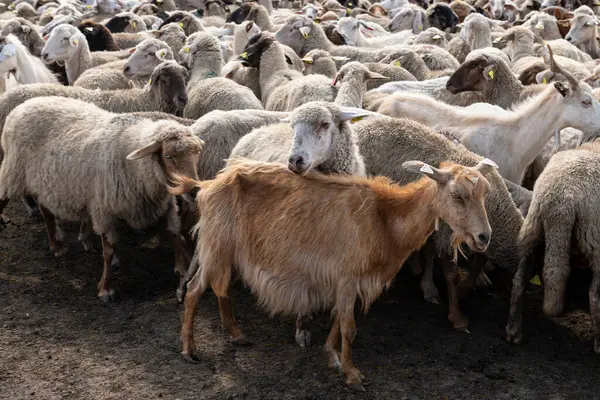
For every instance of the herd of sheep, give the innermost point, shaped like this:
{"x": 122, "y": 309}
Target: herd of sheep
{"x": 312, "y": 149}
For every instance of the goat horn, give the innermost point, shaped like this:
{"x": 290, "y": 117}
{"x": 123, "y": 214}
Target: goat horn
{"x": 554, "y": 67}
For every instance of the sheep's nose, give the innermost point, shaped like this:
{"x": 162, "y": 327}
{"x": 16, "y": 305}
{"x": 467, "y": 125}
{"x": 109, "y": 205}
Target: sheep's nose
{"x": 484, "y": 238}
{"x": 295, "y": 163}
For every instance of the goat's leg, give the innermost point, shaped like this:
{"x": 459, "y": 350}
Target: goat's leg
{"x": 105, "y": 292}
{"x": 303, "y": 334}
{"x": 195, "y": 289}
{"x": 430, "y": 292}
{"x": 455, "y": 315}
{"x": 85, "y": 235}
{"x": 332, "y": 346}
{"x": 476, "y": 267}
{"x": 595, "y": 305}
{"x": 222, "y": 288}
{"x": 348, "y": 332}
{"x": 191, "y": 271}
{"x": 414, "y": 262}
{"x": 31, "y": 206}
{"x": 56, "y": 245}
{"x": 3, "y": 221}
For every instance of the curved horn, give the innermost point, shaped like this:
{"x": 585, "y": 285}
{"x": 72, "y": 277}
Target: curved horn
{"x": 554, "y": 67}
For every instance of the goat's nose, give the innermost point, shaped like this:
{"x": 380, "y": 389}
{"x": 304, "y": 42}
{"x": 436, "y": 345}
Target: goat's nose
{"x": 295, "y": 163}
{"x": 126, "y": 69}
{"x": 568, "y": 38}
{"x": 484, "y": 238}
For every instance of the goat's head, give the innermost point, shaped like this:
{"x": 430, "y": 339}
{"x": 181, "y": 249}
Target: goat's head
{"x": 145, "y": 57}
{"x": 169, "y": 79}
{"x": 462, "y": 9}
{"x": 460, "y": 202}
{"x": 317, "y": 127}
{"x": 583, "y": 29}
{"x": 176, "y": 148}
{"x": 474, "y": 73}
{"x": 62, "y": 44}
{"x": 441, "y": 16}
{"x": 8, "y": 50}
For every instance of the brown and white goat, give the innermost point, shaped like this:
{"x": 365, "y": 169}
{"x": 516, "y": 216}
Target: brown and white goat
{"x": 316, "y": 242}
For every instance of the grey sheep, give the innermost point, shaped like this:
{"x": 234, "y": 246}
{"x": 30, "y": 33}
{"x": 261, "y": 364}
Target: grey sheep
{"x": 563, "y": 213}
{"x": 354, "y": 77}
{"x": 207, "y": 89}
{"x": 86, "y": 164}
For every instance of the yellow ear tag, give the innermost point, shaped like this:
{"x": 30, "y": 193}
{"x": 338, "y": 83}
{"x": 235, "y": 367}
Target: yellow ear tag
{"x": 348, "y": 11}
{"x": 544, "y": 81}
{"x": 186, "y": 49}
{"x": 536, "y": 280}
{"x": 76, "y": 41}
{"x": 491, "y": 73}
{"x": 356, "y": 119}
{"x": 180, "y": 24}
{"x": 88, "y": 7}
{"x": 149, "y": 81}
{"x": 244, "y": 55}
{"x": 397, "y": 63}
{"x": 134, "y": 24}
{"x": 420, "y": 27}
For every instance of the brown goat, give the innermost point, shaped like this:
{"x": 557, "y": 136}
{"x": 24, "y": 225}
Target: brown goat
{"x": 316, "y": 242}
{"x": 462, "y": 9}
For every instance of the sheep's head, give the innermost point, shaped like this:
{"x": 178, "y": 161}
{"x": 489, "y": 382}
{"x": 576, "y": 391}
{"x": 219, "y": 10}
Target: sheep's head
{"x": 583, "y": 30}
{"x": 62, "y": 44}
{"x": 145, "y": 57}
{"x": 474, "y": 74}
{"x": 177, "y": 148}
{"x": 169, "y": 80}
{"x": 172, "y": 34}
{"x": 296, "y": 30}
{"x": 432, "y": 36}
{"x": 501, "y": 8}
{"x": 333, "y": 35}
{"x": 240, "y": 14}
{"x": 19, "y": 27}
{"x": 441, "y": 16}
{"x": 356, "y": 71}
{"x": 409, "y": 17}
{"x": 256, "y": 47}
{"x": 146, "y": 9}
{"x": 316, "y": 126}
{"x": 124, "y": 22}
{"x": 200, "y": 45}
{"x": 215, "y": 8}
{"x": 460, "y": 202}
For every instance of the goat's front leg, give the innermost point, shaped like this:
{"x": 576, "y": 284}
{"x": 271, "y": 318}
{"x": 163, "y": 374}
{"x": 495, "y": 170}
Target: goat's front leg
{"x": 455, "y": 315}
{"x": 56, "y": 244}
{"x": 332, "y": 346}
{"x": 303, "y": 334}
{"x": 354, "y": 378}
{"x": 430, "y": 291}
{"x": 475, "y": 269}
{"x": 105, "y": 292}
{"x": 195, "y": 289}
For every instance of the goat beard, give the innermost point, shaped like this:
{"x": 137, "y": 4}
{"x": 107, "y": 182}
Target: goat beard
{"x": 456, "y": 243}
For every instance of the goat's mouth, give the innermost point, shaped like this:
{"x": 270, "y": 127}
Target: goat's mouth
{"x": 475, "y": 244}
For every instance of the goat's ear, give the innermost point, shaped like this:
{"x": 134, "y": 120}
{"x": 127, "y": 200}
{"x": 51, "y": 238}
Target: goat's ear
{"x": 354, "y": 114}
{"x": 592, "y": 22}
{"x": 437, "y": 175}
{"x": 145, "y": 151}
{"x": 485, "y": 166}
{"x": 563, "y": 88}
{"x": 25, "y": 28}
{"x": 74, "y": 40}
{"x": 489, "y": 71}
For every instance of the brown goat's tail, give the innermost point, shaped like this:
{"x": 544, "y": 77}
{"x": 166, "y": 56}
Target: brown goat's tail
{"x": 181, "y": 184}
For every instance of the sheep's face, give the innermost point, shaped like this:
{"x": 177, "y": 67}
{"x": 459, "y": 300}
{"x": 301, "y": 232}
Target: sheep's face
{"x": 432, "y": 36}
{"x": 583, "y": 30}
{"x": 409, "y": 18}
{"x": 471, "y": 75}
{"x": 311, "y": 11}
{"x": 111, "y": 7}
{"x": 256, "y": 47}
{"x": 62, "y": 44}
{"x": 294, "y": 32}
{"x": 460, "y": 202}
{"x": 169, "y": 79}
{"x": 20, "y": 29}
{"x": 146, "y": 57}
{"x": 442, "y": 17}
{"x": 200, "y": 45}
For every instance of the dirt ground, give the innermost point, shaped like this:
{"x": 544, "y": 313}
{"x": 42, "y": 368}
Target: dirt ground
{"x": 58, "y": 342}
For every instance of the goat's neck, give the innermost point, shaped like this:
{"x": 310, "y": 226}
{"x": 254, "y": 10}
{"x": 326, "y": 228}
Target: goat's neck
{"x": 206, "y": 66}
{"x": 504, "y": 90}
{"x": 81, "y": 61}
{"x": 351, "y": 92}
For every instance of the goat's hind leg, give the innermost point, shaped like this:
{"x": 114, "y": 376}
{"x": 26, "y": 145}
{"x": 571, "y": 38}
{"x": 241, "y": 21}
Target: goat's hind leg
{"x": 222, "y": 288}
{"x": 191, "y": 271}
{"x": 195, "y": 289}
{"x": 430, "y": 291}
{"x": 56, "y": 244}
{"x": 303, "y": 334}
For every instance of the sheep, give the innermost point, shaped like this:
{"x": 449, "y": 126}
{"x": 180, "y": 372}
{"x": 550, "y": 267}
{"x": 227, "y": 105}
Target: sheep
{"x": 349, "y": 28}
{"x": 67, "y": 44}
{"x": 320, "y": 62}
{"x": 408, "y": 59}
{"x": 561, "y": 215}
{"x": 38, "y": 161}
{"x": 476, "y": 31}
{"x": 501, "y": 8}
{"x": 187, "y": 21}
{"x": 321, "y": 283}
{"x": 511, "y": 138}
{"x": 281, "y": 88}
{"x": 152, "y": 22}
{"x": 26, "y": 32}
{"x": 441, "y": 16}
{"x": 431, "y": 36}
{"x": 207, "y": 90}
{"x": 462, "y": 9}
{"x": 26, "y": 10}
{"x": 354, "y": 77}
{"x": 386, "y": 143}
{"x": 126, "y": 22}
{"x": 260, "y": 15}
{"x": 15, "y": 58}
{"x": 393, "y": 72}
{"x": 164, "y": 92}
{"x": 565, "y": 49}
{"x": 98, "y": 36}
{"x": 583, "y": 33}
{"x": 242, "y": 34}
{"x": 544, "y": 26}
{"x": 409, "y": 18}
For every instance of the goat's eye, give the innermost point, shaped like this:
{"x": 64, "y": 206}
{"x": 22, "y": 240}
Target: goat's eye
{"x": 587, "y": 102}
{"x": 455, "y": 196}
{"x": 168, "y": 156}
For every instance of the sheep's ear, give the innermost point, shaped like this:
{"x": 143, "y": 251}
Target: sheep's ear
{"x": 485, "y": 166}
{"x": 339, "y": 59}
{"x": 375, "y": 75}
{"x": 354, "y": 114}
{"x": 437, "y": 175}
{"x": 417, "y": 26}
{"x": 544, "y": 76}
{"x": 161, "y": 54}
{"x": 25, "y": 28}
{"x": 510, "y": 6}
{"x": 145, "y": 151}
{"x": 563, "y": 88}
{"x": 249, "y": 26}
{"x": 74, "y": 41}
{"x": 489, "y": 72}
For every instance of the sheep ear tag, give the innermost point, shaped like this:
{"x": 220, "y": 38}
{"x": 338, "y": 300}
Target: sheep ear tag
{"x": 539, "y": 26}
{"x": 186, "y": 49}
{"x": 356, "y": 119}
{"x": 89, "y": 29}
{"x": 161, "y": 54}
{"x": 74, "y": 41}
{"x": 397, "y": 64}
{"x": 180, "y": 24}
{"x": 149, "y": 81}
{"x": 536, "y": 280}
{"x": 244, "y": 55}
{"x": 544, "y": 81}
{"x": 491, "y": 73}
{"x": 426, "y": 169}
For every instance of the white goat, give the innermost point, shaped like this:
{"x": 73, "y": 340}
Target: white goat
{"x": 16, "y": 59}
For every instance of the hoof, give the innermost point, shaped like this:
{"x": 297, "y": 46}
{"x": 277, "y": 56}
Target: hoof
{"x": 59, "y": 250}
{"x": 190, "y": 358}
{"x": 180, "y": 294}
{"x": 241, "y": 341}
{"x": 513, "y": 336}
{"x": 107, "y": 297}
{"x": 356, "y": 386}
{"x": 430, "y": 293}
{"x": 434, "y": 300}
{"x": 303, "y": 337}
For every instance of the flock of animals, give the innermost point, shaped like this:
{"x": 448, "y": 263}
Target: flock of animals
{"x": 311, "y": 149}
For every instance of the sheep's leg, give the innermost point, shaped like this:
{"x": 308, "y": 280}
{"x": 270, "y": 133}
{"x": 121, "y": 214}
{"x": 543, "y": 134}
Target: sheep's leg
{"x": 476, "y": 268}
{"x": 303, "y": 334}
{"x": 222, "y": 288}
{"x": 3, "y": 221}
{"x": 85, "y": 235}
{"x": 191, "y": 271}
{"x": 332, "y": 346}
{"x": 414, "y": 263}
{"x": 455, "y": 315}
{"x": 348, "y": 330}
{"x": 556, "y": 266}
{"x": 514, "y": 333}
{"x": 430, "y": 292}
{"x": 105, "y": 293}
{"x": 595, "y": 305}
{"x": 56, "y": 245}
{"x": 195, "y": 289}
{"x": 171, "y": 227}
{"x": 31, "y": 206}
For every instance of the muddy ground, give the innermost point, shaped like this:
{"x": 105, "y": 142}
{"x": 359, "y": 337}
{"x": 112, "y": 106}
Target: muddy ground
{"x": 58, "y": 342}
